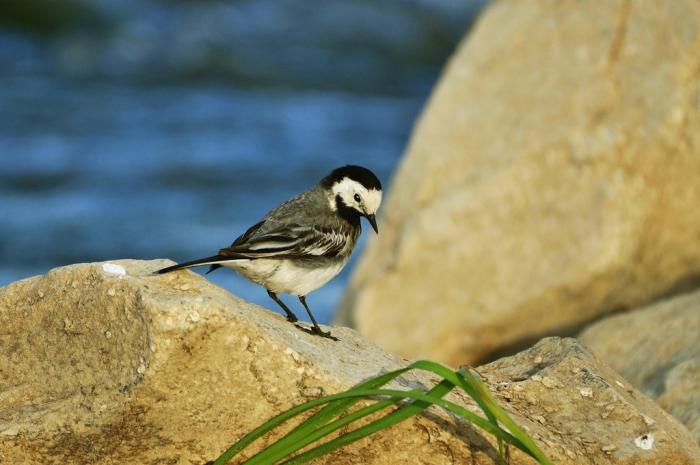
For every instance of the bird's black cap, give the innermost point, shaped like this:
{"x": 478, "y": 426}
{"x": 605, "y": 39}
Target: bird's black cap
{"x": 354, "y": 172}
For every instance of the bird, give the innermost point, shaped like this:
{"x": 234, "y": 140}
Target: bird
{"x": 304, "y": 242}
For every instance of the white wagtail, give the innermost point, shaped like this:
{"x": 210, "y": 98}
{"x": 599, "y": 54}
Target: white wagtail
{"x": 303, "y": 243}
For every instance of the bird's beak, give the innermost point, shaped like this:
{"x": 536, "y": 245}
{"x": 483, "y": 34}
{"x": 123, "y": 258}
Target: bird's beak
{"x": 373, "y": 221}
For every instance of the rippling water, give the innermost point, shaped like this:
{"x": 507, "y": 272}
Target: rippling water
{"x": 158, "y": 139}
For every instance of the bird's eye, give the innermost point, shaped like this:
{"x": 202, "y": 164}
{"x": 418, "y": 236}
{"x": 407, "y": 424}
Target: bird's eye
{"x": 357, "y": 198}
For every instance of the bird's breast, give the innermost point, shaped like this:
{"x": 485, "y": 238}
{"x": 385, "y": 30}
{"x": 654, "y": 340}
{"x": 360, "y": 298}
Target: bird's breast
{"x": 290, "y": 276}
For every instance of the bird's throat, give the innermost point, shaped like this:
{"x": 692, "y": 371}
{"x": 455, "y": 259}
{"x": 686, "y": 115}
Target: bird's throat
{"x": 349, "y": 214}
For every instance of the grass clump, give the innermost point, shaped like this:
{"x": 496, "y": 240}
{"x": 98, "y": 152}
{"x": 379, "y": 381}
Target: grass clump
{"x": 335, "y": 413}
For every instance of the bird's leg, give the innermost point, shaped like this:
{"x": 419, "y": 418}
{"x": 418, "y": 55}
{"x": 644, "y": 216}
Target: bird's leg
{"x": 316, "y": 329}
{"x": 291, "y": 317}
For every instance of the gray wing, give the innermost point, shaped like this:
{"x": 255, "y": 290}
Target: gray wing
{"x": 300, "y": 227}
{"x": 289, "y": 241}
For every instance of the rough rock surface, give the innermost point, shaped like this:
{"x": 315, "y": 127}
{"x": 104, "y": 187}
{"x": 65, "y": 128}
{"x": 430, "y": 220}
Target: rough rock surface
{"x": 107, "y": 363}
{"x": 588, "y": 410}
{"x": 552, "y": 178}
{"x": 658, "y": 350}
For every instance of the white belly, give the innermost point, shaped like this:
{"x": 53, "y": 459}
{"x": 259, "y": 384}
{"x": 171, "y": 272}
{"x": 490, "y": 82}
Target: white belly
{"x": 284, "y": 276}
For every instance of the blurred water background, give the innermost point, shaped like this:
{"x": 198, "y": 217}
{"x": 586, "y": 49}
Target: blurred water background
{"x": 163, "y": 128}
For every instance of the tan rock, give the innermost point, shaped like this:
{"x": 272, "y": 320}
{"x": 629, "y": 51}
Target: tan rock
{"x": 589, "y": 411}
{"x": 145, "y": 372}
{"x": 552, "y": 178}
{"x": 681, "y": 396}
{"x": 657, "y": 349}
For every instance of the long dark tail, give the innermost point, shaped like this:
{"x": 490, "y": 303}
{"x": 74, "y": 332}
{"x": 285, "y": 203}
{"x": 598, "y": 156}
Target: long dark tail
{"x": 213, "y": 261}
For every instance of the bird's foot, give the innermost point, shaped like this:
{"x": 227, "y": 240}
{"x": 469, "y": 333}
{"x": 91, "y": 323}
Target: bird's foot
{"x": 317, "y": 332}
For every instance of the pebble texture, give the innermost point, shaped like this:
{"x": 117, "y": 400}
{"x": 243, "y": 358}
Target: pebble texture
{"x": 658, "y": 350}
{"x": 552, "y": 178}
{"x": 170, "y": 369}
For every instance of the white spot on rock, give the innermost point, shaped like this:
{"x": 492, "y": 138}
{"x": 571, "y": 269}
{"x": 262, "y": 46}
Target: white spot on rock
{"x": 11, "y": 431}
{"x": 586, "y": 392}
{"x": 142, "y": 367}
{"x": 111, "y": 292}
{"x": 193, "y": 316}
{"x": 113, "y": 268}
{"x": 645, "y": 441}
{"x": 291, "y": 352}
{"x": 608, "y": 448}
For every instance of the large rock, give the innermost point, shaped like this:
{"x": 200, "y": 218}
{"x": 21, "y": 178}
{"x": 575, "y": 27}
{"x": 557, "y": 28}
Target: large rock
{"x": 107, "y": 363}
{"x": 589, "y": 412}
{"x": 658, "y": 350}
{"x": 553, "y": 177}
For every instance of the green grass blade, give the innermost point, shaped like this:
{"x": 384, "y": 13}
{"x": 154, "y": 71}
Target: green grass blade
{"x": 321, "y": 417}
{"x": 472, "y": 391}
{"x": 320, "y": 424}
{"x": 484, "y": 394}
{"x": 394, "y": 398}
{"x": 393, "y": 418}
{"x": 317, "y": 420}
{"x": 265, "y": 428}
{"x": 478, "y": 391}
{"x": 426, "y": 397}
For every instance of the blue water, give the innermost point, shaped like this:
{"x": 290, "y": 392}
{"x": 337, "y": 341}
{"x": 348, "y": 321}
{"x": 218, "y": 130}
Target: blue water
{"x": 120, "y": 147}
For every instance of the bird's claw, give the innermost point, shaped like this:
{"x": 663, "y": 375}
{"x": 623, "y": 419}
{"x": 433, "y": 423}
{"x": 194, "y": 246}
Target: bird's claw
{"x": 316, "y": 332}
{"x": 319, "y": 332}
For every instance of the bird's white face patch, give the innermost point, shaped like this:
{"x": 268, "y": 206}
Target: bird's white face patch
{"x": 372, "y": 201}
{"x": 350, "y": 191}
